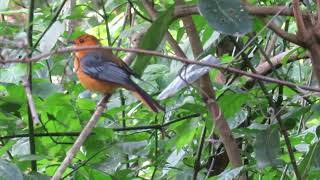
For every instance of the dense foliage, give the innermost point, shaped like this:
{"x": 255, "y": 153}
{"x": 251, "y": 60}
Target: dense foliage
{"x": 129, "y": 141}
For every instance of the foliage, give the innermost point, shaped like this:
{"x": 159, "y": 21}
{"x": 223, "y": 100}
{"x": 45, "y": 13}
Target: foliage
{"x": 164, "y": 145}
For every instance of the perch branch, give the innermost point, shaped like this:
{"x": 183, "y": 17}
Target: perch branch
{"x": 181, "y": 59}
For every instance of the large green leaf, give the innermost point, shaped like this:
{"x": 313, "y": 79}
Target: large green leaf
{"x": 13, "y": 73}
{"x": 7, "y": 146}
{"x": 267, "y": 147}
{"x": 231, "y": 102}
{"x": 226, "y": 16}
{"x": 9, "y": 171}
{"x": 152, "y": 39}
{"x": 311, "y": 159}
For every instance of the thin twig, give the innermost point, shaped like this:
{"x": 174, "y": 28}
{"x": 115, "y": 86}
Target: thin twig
{"x": 137, "y": 12}
{"x": 83, "y": 163}
{"x": 32, "y": 107}
{"x": 82, "y": 137}
{"x": 197, "y": 163}
{"x": 135, "y": 128}
{"x": 302, "y": 29}
{"x": 29, "y": 79}
{"x": 53, "y": 20}
{"x": 106, "y": 20}
{"x": 155, "y": 53}
{"x": 187, "y": 10}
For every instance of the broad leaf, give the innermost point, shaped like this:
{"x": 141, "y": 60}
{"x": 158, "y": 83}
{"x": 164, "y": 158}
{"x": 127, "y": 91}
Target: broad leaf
{"x": 152, "y": 39}
{"x": 9, "y": 171}
{"x": 226, "y": 16}
{"x": 267, "y": 147}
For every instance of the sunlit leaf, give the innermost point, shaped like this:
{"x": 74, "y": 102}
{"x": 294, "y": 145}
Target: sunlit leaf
{"x": 152, "y": 39}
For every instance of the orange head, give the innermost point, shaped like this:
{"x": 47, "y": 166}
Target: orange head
{"x": 86, "y": 40}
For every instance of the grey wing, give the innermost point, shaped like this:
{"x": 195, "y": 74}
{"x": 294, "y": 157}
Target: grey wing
{"x": 100, "y": 67}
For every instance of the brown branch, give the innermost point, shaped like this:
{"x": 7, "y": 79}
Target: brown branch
{"x": 186, "y": 10}
{"x": 271, "y": 43}
{"x": 26, "y": 85}
{"x": 173, "y": 43}
{"x": 317, "y": 26}
{"x": 180, "y": 59}
{"x": 302, "y": 30}
{"x": 283, "y": 34}
{"x": 276, "y": 60}
{"x": 82, "y": 137}
{"x": 208, "y": 96}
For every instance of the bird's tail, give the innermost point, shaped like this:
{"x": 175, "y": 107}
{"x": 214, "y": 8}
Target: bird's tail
{"x": 146, "y": 99}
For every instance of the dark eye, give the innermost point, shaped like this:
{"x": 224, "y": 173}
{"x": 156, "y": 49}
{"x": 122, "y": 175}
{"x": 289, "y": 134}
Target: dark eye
{"x": 81, "y": 40}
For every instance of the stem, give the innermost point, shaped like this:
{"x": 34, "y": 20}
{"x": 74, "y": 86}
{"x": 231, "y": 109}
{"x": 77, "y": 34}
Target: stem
{"x": 30, "y": 119}
{"x": 197, "y": 164}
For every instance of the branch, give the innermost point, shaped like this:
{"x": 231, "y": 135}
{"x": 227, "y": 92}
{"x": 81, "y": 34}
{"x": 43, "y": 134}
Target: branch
{"x": 187, "y": 10}
{"x": 317, "y": 26}
{"x": 56, "y": 15}
{"x": 58, "y": 134}
{"x": 29, "y": 79}
{"x": 155, "y": 53}
{"x": 285, "y": 35}
{"x": 197, "y": 163}
{"x": 208, "y": 96}
{"x": 276, "y": 110}
{"x": 82, "y": 137}
{"x": 32, "y": 107}
{"x": 302, "y": 30}
{"x": 276, "y": 60}
{"x": 173, "y": 43}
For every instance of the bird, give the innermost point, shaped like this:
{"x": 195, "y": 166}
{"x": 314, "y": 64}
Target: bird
{"x": 99, "y": 70}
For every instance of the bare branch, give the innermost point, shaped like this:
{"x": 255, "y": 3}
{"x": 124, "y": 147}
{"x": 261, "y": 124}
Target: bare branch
{"x": 155, "y": 53}
{"x": 186, "y": 10}
{"x": 32, "y": 107}
{"x": 173, "y": 43}
{"x": 318, "y": 15}
{"x": 283, "y": 34}
{"x": 302, "y": 30}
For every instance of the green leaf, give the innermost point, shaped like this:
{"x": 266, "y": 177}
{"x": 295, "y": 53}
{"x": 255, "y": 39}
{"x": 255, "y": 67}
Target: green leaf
{"x": 185, "y": 130}
{"x": 132, "y": 147}
{"x": 312, "y": 158}
{"x": 226, "y": 16}
{"x": 13, "y": 73}
{"x": 45, "y": 89}
{"x": 9, "y": 171}
{"x": 232, "y": 102}
{"x": 36, "y": 176}
{"x": 152, "y": 39}
{"x": 30, "y": 157}
{"x": 267, "y": 147}
{"x": 104, "y": 134}
{"x": 6, "y": 147}
{"x": 291, "y": 52}
{"x": 230, "y": 174}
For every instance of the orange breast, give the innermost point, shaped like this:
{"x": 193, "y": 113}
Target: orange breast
{"x": 92, "y": 84}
